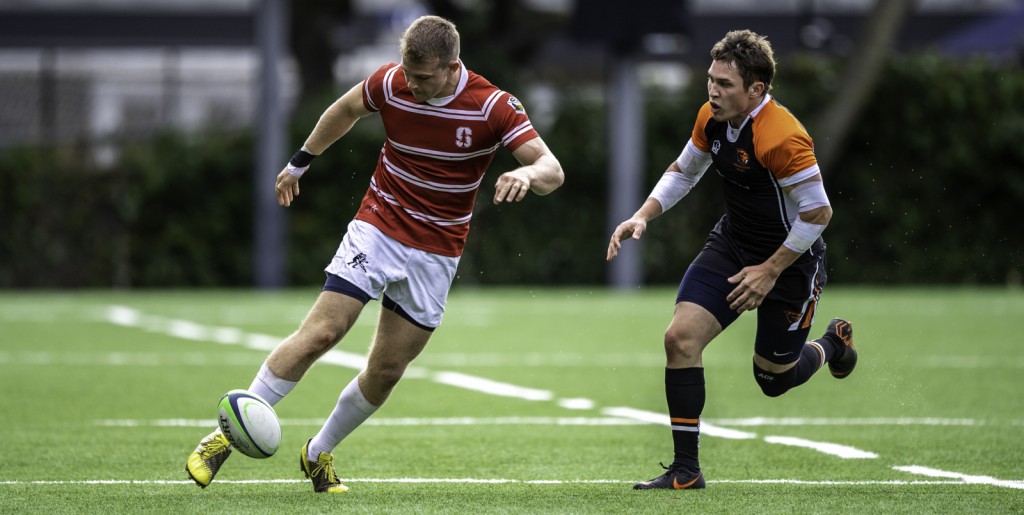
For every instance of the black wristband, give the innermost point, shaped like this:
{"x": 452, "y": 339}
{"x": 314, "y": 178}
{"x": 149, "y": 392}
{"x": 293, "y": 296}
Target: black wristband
{"x": 301, "y": 159}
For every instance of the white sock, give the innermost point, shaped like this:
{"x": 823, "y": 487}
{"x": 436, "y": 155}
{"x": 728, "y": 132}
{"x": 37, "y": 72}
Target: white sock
{"x": 351, "y": 411}
{"x": 267, "y": 385}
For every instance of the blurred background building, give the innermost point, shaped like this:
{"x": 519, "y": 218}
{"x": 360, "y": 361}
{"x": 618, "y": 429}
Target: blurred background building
{"x": 103, "y": 71}
{"x": 100, "y": 76}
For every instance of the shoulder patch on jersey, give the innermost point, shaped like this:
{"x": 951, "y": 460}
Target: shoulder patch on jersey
{"x": 516, "y": 105}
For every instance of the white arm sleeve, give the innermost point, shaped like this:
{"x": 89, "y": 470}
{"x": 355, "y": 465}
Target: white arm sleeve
{"x": 809, "y": 195}
{"x": 673, "y": 185}
{"x": 802, "y": 236}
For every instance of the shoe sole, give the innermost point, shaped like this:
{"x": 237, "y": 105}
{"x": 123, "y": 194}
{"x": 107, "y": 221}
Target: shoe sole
{"x": 693, "y": 484}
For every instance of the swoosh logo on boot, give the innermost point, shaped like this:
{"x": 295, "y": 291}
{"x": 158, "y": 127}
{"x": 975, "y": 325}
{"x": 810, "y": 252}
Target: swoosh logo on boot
{"x": 677, "y": 486}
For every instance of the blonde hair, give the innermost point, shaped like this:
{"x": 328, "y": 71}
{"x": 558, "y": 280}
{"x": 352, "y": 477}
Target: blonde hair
{"x": 752, "y": 54}
{"x": 430, "y": 37}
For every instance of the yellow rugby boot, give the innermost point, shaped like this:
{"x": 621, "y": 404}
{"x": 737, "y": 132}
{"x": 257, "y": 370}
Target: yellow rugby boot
{"x": 205, "y": 461}
{"x": 321, "y": 472}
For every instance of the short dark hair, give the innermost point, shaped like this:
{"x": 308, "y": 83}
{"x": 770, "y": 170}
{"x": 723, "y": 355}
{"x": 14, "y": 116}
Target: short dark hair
{"x": 752, "y": 54}
{"x": 430, "y": 37}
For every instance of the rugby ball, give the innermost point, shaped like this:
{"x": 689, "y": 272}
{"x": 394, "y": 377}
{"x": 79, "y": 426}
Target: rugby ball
{"x": 250, "y": 423}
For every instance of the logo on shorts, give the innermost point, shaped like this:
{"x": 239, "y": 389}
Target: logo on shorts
{"x": 358, "y": 262}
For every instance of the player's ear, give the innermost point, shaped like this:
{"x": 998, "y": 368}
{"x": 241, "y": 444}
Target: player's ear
{"x": 756, "y": 89}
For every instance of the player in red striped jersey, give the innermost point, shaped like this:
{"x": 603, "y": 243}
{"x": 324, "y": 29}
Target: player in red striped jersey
{"x": 765, "y": 255}
{"x": 443, "y": 125}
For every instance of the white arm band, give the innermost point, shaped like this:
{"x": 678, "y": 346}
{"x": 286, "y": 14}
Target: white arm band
{"x": 673, "y": 186}
{"x": 809, "y": 195}
{"x": 802, "y": 236}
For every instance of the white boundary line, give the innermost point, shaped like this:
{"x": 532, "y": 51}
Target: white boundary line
{"x": 102, "y": 482}
{"x": 406, "y": 422}
{"x": 981, "y": 480}
{"x": 615, "y": 417}
{"x": 130, "y": 317}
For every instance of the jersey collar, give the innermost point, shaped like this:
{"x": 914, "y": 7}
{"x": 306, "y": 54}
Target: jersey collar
{"x": 734, "y": 134}
{"x": 463, "y": 79}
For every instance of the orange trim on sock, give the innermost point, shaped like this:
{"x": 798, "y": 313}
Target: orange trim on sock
{"x": 686, "y": 420}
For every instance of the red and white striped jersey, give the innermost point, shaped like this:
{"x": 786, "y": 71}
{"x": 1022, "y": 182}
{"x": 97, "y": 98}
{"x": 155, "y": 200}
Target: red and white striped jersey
{"x": 434, "y": 158}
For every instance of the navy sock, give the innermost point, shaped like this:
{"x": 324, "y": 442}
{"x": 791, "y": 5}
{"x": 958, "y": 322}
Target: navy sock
{"x": 813, "y": 356}
{"x": 684, "y": 390}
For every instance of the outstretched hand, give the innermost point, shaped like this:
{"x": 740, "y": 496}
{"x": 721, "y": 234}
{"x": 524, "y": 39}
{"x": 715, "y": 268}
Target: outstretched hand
{"x": 632, "y": 228}
{"x": 286, "y": 188}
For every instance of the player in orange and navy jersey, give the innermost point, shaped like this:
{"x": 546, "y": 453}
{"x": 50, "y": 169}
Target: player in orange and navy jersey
{"x": 443, "y": 125}
{"x": 765, "y": 254}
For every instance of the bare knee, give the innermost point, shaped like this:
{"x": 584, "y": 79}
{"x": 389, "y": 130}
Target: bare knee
{"x": 384, "y": 375}
{"x": 318, "y": 338}
{"x": 681, "y": 346}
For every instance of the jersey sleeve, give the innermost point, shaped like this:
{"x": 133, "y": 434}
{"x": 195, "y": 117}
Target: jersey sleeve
{"x": 374, "y": 95}
{"x": 785, "y": 148}
{"x": 510, "y": 122}
{"x": 700, "y": 139}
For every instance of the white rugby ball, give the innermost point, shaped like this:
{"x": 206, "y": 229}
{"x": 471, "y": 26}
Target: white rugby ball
{"x": 250, "y": 423}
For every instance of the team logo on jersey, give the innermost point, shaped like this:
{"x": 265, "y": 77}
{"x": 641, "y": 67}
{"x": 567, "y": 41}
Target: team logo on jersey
{"x": 463, "y": 137}
{"x": 742, "y": 160}
{"x": 716, "y": 146}
{"x": 516, "y": 105}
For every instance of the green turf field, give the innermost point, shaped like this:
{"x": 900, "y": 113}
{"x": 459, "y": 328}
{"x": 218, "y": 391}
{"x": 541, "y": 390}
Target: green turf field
{"x": 525, "y": 401}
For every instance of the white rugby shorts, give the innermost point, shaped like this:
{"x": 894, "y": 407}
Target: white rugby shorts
{"x": 416, "y": 280}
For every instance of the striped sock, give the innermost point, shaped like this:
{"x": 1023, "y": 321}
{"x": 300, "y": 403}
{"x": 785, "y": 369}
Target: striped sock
{"x": 684, "y": 390}
{"x": 813, "y": 356}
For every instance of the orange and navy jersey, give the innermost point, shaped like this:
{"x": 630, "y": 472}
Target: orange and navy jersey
{"x": 770, "y": 151}
{"x": 434, "y": 158}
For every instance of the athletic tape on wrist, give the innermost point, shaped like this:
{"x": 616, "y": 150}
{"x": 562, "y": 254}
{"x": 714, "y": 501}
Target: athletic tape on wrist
{"x": 296, "y": 171}
{"x": 299, "y": 162}
{"x": 802, "y": 236}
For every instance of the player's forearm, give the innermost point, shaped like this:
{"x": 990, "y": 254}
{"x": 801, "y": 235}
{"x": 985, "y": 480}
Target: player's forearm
{"x": 545, "y": 174}
{"x": 649, "y": 211}
{"x": 809, "y": 226}
{"x": 782, "y": 259}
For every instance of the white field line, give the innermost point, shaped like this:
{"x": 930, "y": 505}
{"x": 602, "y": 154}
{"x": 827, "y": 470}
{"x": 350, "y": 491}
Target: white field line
{"x": 190, "y": 483}
{"x": 130, "y": 317}
{"x": 652, "y": 417}
{"x": 834, "y": 449}
{"x": 488, "y": 386}
{"x": 900, "y": 421}
{"x": 977, "y": 480}
{"x": 395, "y": 422}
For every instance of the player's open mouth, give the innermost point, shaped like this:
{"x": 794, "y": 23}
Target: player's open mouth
{"x": 715, "y": 107}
